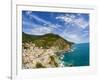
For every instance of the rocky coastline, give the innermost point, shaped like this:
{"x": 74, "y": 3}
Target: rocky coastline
{"x": 38, "y": 57}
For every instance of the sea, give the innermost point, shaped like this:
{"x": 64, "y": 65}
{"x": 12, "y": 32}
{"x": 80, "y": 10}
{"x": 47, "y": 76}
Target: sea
{"x": 77, "y": 56}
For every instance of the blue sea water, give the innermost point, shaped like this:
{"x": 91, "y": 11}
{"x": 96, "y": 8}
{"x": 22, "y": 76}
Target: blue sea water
{"x": 78, "y": 56}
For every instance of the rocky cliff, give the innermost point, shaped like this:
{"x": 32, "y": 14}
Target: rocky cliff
{"x": 41, "y": 51}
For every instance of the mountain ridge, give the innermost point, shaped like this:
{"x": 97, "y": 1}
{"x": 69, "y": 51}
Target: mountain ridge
{"x": 47, "y": 41}
{"x": 43, "y": 51}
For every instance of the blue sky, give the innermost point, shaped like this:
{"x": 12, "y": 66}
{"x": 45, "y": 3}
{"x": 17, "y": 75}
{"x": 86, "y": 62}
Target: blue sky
{"x": 71, "y": 26}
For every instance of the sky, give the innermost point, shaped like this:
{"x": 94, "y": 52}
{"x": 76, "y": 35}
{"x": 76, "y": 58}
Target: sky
{"x": 73, "y": 27}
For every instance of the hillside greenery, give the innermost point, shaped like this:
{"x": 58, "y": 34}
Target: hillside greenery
{"x": 47, "y": 40}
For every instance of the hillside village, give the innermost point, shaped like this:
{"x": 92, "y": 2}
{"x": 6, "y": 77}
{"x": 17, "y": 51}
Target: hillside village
{"x": 43, "y": 51}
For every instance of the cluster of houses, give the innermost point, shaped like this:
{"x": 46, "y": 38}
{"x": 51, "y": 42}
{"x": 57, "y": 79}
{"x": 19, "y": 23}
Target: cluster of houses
{"x": 38, "y": 57}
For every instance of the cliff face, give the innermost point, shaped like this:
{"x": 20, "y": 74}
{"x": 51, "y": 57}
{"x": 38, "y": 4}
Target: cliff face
{"x": 41, "y": 51}
{"x": 47, "y": 41}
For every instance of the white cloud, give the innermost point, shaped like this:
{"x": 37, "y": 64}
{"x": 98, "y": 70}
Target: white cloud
{"x": 41, "y": 30}
{"x": 81, "y": 23}
{"x": 28, "y": 12}
{"x": 39, "y": 19}
{"x": 73, "y": 37}
{"x": 46, "y": 27}
{"x": 45, "y": 22}
{"x": 66, "y": 18}
{"x": 72, "y": 20}
{"x": 85, "y": 34}
{"x": 29, "y": 25}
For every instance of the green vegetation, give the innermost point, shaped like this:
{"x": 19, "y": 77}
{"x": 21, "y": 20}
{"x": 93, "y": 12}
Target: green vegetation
{"x": 49, "y": 45}
{"x": 39, "y": 65}
{"x": 48, "y": 40}
{"x": 54, "y": 60}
